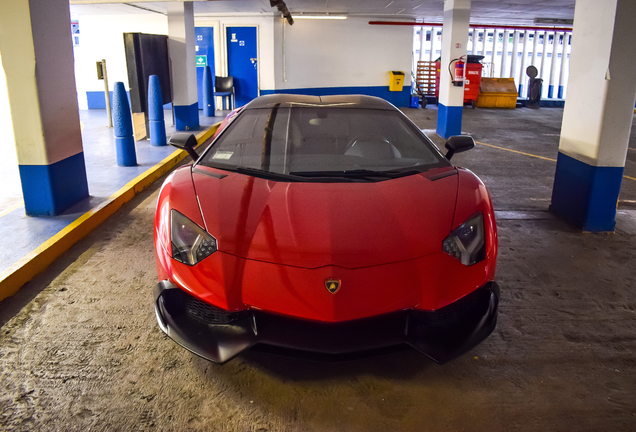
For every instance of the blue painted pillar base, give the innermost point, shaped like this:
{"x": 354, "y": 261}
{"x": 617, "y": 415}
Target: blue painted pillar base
{"x": 586, "y": 195}
{"x": 50, "y": 190}
{"x": 449, "y": 120}
{"x": 126, "y": 155}
{"x": 550, "y": 91}
{"x": 560, "y": 92}
{"x": 186, "y": 117}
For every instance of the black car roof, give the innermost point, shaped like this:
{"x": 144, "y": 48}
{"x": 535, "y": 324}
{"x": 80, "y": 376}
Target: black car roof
{"x": 340, "y": 101}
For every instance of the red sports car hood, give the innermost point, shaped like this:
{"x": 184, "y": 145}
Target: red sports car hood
{"x": 312, "y": 225}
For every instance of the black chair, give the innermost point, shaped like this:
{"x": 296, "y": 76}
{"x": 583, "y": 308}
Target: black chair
{"x": 224, "y": 87}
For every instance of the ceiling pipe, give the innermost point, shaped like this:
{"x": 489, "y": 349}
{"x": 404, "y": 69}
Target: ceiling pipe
{"x": 422, "y": 24}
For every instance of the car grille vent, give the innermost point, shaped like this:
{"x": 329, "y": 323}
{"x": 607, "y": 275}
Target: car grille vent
{"x": 209, "y": 314}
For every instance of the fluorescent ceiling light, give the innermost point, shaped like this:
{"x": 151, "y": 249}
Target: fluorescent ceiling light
{"x": 340, "y": 17}
{"x": 555, "y": 21}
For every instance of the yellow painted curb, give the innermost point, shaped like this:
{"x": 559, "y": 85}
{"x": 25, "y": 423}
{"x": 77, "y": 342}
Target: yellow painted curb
{"x": 36, "y": 261}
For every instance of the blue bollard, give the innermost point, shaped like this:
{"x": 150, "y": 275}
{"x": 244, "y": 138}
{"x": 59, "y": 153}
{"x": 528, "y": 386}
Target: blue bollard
{"x": 155, "y": 113}
{"x": 122, "y": 122}
{"x": 208, "y": 93}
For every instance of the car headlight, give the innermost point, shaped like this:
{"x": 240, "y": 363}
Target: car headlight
{"x": 467, "y": 242}
{"x": 190, "y": 243}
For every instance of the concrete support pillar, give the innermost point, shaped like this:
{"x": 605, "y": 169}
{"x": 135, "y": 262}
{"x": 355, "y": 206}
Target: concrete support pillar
{"x": 524, "y": 55}
{"x": 564, "y": 63}
{"x": 553, "y": 62}
{"x": 37, "y": 56}
{"x": 454, "y": 41}
{"x": 503, "y": 67}
{"x": 513, "y": 61}
{"x": 181, "y": 45}
{"x": 598, "y": 114}
{"x": 422, "y": 39}
{"x": 546, "y": 39}
{"x": 480, "y": 45}
{"x": 535, "y": 48}
{"x": 493, "y": 57}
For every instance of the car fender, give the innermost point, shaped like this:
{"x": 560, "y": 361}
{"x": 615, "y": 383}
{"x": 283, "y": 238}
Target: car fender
{"x": 473, "y": 197}
{"x": 177, "y": 192}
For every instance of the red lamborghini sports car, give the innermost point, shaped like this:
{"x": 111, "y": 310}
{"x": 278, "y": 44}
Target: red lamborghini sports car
{"x": 327, "y": 227}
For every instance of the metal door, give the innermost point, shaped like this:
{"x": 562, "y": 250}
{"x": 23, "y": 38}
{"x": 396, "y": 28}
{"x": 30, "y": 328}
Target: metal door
{"x": 242, "y": 63}
{"x": 204, "y": 47}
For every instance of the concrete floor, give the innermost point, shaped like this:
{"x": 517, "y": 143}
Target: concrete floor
{"x": 80, "y": 348}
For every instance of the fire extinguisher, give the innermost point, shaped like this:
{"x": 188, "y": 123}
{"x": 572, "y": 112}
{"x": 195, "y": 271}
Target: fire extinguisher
{"x": 458, "y": 76}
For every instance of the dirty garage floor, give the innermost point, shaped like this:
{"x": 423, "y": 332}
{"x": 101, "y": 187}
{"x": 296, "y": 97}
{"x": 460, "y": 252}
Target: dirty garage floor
{"x": 80, "y": 348}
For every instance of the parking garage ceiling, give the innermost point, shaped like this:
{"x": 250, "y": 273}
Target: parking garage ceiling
{"x": 502, "y": 12}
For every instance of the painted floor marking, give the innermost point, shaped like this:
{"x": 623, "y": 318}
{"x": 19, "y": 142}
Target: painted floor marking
{"x": 535, "y": 156}
{"x": 10, "y": 209}
{"x": 516, "y": 151}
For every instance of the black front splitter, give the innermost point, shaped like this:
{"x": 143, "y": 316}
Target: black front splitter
{"x": 218, "y": 335}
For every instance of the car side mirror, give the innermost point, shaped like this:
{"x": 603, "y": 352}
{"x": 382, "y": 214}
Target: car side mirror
{"x": 185, "y": 141}
{"x": 458, "y": 144}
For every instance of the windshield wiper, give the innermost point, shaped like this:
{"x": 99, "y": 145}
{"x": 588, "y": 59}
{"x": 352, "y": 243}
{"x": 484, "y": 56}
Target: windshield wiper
{"x": 321, "y": 176}
{"x": 255, "y": 172}
{"x": 269, "y": 175}
{"x": 357, "y": 173}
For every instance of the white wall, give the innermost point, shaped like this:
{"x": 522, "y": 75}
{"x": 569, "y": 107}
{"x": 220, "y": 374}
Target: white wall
{"x": 101, "y": 37}
{"x": 319, "y": 53}
{"x": 340, "y": 53}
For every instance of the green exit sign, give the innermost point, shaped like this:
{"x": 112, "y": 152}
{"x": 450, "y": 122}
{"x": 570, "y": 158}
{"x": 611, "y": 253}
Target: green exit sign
{"x": 202, "y": 61}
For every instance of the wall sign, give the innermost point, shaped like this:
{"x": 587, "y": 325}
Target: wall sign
{"x": 202, "y": 60}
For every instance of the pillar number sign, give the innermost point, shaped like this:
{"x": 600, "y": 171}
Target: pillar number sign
{"x": 202, "y": 60}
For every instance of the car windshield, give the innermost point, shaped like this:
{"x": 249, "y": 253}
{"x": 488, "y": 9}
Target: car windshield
{"x": 323, "y": 142}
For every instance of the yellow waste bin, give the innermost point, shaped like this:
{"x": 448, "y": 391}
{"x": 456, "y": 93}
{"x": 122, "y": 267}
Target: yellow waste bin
{"x": 497, "y": 93}
{"x": 397, "y": 81}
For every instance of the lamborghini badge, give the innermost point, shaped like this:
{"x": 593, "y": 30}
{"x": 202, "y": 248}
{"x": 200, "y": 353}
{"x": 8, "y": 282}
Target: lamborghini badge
{"x": 332, "y": 285}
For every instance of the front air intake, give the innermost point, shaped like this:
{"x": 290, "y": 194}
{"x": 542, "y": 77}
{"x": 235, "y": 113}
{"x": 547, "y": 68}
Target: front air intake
{"x": 209, "y": 314}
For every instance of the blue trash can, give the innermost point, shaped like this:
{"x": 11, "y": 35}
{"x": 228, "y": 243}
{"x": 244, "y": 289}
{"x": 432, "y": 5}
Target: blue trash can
{"x": 415, "y": 101}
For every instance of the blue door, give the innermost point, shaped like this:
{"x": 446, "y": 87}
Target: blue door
{"x": 242, "y": 63}
{"x": 204, "y": 37}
